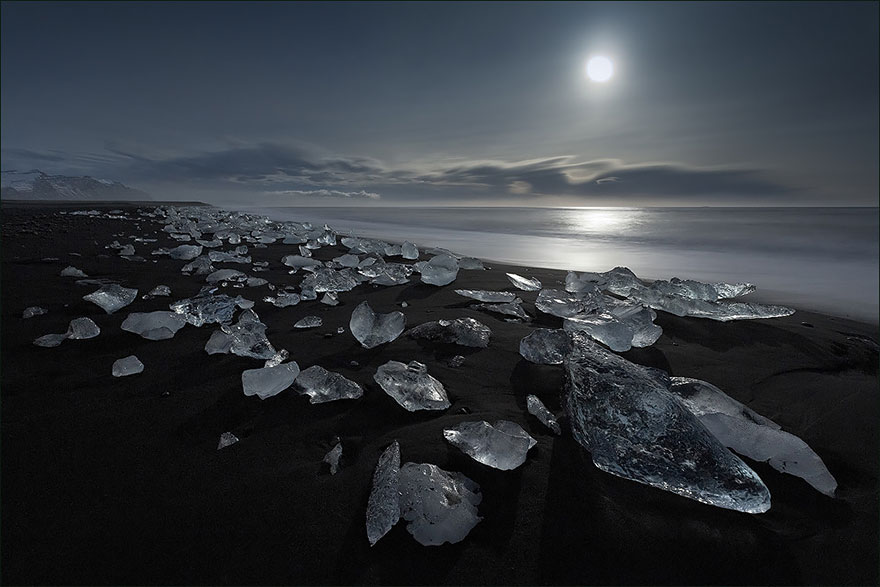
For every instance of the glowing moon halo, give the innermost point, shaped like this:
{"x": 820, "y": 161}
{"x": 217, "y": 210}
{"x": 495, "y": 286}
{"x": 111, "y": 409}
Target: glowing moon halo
{"x": 600, "y": 69}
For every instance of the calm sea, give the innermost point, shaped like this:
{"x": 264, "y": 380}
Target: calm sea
{"x": 812, "y": 258}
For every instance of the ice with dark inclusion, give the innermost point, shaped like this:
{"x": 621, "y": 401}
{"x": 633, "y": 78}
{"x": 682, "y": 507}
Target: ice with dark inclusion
{"x": 383, "y": 505}
{"x": 487, "y": 296}
{"x": 112, "y": 297}
{"x": 207, "y": 307}
{"x": 248, "y": 337}
{"x": 524, "y": 283}
{"x": 636, "y": 429}
{"x": 750, "y": 434}
{"x": 309, "y": 322}
{"x": 269, "y": 381}
{"x": 227, "y": 439}
{"x": 372, "y": 329}
{"x": 461, "y": 331}
{"x": 324, "y": 386}
{"x": 545, "y": 346}
{"x": 129, "y": 365}
{"x": 537, "y": 408}
{"x": 332, "y": 458}
{"x": 34, "y": 311}
{"x": 502, "y": 445}
{"x": 440, "y": 506}
{"x": 566, "y": 304}
{"x": 513, "y": 308}
{"x": 440, "y": 270}
{"x": 159, "y": 325}
{"x": 411, "y": 386}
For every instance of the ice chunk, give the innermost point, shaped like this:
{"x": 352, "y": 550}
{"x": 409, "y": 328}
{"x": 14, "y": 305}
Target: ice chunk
{"x": 537, "y": 408}
{"x": 129, "y": 365}
{"x": 227, "y": 439}
{"x": 227, "y": 275}
{"x": 332, "y": 458}
{"x": 185, "y": 252}
{"x": 440, "y": 506}
{"x": 411, "y": 386}
{"x": 269, "y": 381}
{"x": 566, "y": 304}
{"x": 383, "y": 506}
{"x": 502, "y": 445}
{"x": 112, "y": 297}
{"x": 545, "y": 346}
{"x": 159, "y": 325}
{"x": 487, "y": 296}
{"x": 298, "y": 261}
{"x": 71, "y": 271}
{"x": 750, "y": 434}
{"x": 34, "y": 311}
{"x": 309, "y": 322}
{"x": 249, "y": 337}
{"x": 461, "y": 331}
{"x": 206, "y": 307}
{"x": 372, "y": 329}
{"x": 50, "y": 340}
{"x": 323, "y": 386}
{"x": 440, "y": 270}
{"x": 513, "y": 308}
{"x": 409, "y": 250}
{"x": 636, "y": 429}
{"x": 82, "y": 328}
{"x": 524, "y": 283}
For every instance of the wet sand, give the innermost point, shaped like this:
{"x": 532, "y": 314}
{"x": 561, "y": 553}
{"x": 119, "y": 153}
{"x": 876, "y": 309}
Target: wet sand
{"x": 117, "y": 480}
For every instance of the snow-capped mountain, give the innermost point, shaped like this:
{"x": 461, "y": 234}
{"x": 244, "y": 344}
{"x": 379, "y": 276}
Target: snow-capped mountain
{"x": 36, "y": 185}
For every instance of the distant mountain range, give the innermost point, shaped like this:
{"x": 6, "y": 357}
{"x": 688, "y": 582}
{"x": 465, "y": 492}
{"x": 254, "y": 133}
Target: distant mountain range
{"x": 36, "y": 185}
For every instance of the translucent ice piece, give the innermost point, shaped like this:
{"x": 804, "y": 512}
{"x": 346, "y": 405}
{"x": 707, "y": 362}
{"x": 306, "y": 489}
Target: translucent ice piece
{"x": 227, "y": 439}
{"x": 309, "y": 322}
{"x": 545, "y": 346}
{"x": 751, "y": 434}
{"x": 409, "y": 250}
{"x": 440, "y": 506}
{"x": 461, "y": 331}
{"x": 502, "y": 445}
{"x": 269, "y": 381}
{"x": 411, "y": 386}
{"x": 487, "y": 296}
{"x": 332, "y": 458}
{"x": 71, "y": 271}
{"x": 440, "y": 270}
{"x": 383, "y": 506}
{"x": 34, "y": 311}
{"x": 159, "y": 325}
{"x": 129, "y": 365}
{"x": 372, "y": 329}
{"x": 185, "y": 252}
{"x": 323, "y": 386}
{"x": 112, "y": 297}
{"x": 249, "y": 337}
{"x": 636, "y": 429}
{"x": 524, "y": 283}
{"x": 565, "y": 304}
{"x": 82, "y": 328}
{"x": 537, "y": 408}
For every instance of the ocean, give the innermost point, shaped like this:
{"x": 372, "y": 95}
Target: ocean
{"x": 823, "y": 259}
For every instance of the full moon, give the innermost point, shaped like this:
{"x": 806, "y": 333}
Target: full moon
{"x": 600, "y": 69}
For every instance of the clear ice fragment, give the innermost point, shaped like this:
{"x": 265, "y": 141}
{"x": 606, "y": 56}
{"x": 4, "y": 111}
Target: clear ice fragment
{"x": 269, "y": 381}
{"x": 502, "y": 445}
{"x": 129, "y": 365}
{"x": 372, "y": 329}
{"x": 537, "y": 408}
{"x": 323, "y": 386}
{"x": 461, "y": 331}
{"x": 545, "y": 346}
{"x": 159, "y": 325}
{"x": 112, "y": 297}
{"x": 440, "y": 506}
{"x": 524, "y": 283}
{"x": 440, "y": 270}
{"x": 411, "y": 386}
{"x": 383, "y": 506}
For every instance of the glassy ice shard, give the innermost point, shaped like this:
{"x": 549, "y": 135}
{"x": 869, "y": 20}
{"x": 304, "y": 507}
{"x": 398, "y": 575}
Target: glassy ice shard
{"x": 440, "y": 270}
{"x": 249, "y": 337}
{"x": 502, "y": 445}
{"x": 409, "y": 250}
{"x": 487, "y": 296}
{"x": 185, "y": 252}
{"x": 227, "y": 439}
{"x": 71, "y": 271}
{"x": 332, "y": 458}
{"x": 752, "y": 435}
{"x": 129, "y": 365}
{"x": 636, "y": 429}
{"x": 383, "y": 506}
{"x": 159, "y": 325}
{"x": 524, "y": 283}
{"x": 112, "y": 297}
{"x": 82, "y": 328}
{"x": 309, "y": 322}
{"x": 566, "y": 304}
{"x": 34, "y": 311}
{"x": 440, "y": 506}
{"x": 323, "y": 386}
{"x": 372, "y": 329}
{"x": 537, "y": 408}
{"x": 461, "y": 331}
{"x": 411, "y": 386}
{"x": 269, "y": 381}
{"x": 545, "y": 346}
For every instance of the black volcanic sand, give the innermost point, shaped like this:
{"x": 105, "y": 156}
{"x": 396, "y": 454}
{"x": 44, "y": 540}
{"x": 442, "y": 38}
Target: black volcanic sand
{"x": 118, "y": 480}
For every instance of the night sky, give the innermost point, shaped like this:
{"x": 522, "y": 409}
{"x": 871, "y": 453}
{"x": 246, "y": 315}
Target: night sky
{"x": 456, "y": 103}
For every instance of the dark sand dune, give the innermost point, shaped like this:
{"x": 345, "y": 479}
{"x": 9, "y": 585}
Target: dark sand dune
{"x": 117, "y": 480}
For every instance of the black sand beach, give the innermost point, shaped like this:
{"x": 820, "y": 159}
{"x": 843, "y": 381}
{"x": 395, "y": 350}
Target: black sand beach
{"x": 119, "y": 481}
